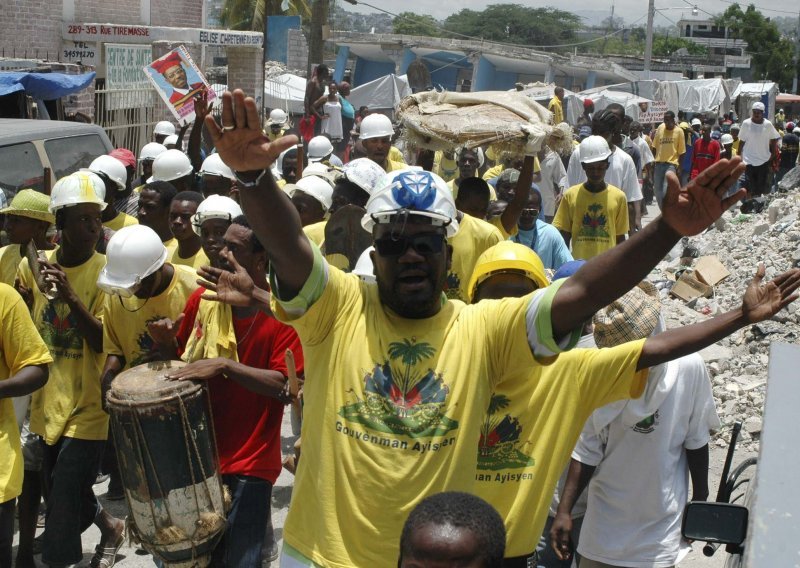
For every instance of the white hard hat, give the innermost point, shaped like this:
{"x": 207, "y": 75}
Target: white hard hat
{"x": 172, "y": 139}
{"x": 133, "y": 253}
{"x": 215, "y": 207}
{"x": 696, "y": 122}
{"x": 111, "y": 168}
{"x": 79, "y": 187}
{"x": 319, "y": 148}
{"x": 364, "y": 173}
{"x": 375, "y": 126}
{"x": 277, "y": 116}
{"x": 319, "y": 169}
{"x": 413, "y": 190}
{"x": 593, "y": 149}
{"x": 318, "y": 188}
{"x": 726, "y": 139}
{"x": 170, "y": 165}
{"x": 796, "y": 130}
{"x": 164, "y": 128}
{"x": 364, "y": 268}
{"x": 214, "y": 166}
{"x": 151, "y": 150}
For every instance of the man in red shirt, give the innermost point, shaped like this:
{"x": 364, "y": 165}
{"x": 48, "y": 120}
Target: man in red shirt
{"x": 240, "y": 350}
{"x": 706, "y": 152}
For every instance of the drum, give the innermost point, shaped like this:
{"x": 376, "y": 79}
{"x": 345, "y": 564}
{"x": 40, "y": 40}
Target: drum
{"x": 164, "y": 438}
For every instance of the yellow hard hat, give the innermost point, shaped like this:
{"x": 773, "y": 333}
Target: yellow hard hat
{"x": 506, "y": 256}
{"x": 684, "y": 125}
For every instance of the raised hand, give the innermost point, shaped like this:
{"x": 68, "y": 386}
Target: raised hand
{"x": 234, "y": 287}
{"x": 691, "y": 209}
{"x": 202, "y": 108}
{"x": 762, "y": 300}
{"x": 240, "y": 141}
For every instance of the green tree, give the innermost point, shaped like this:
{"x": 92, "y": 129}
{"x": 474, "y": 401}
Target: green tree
{"x": 665, "y": 46}
{"x": 771, "y": 53}
{"x": 249, "y": 14}
{"x": 409, "y": 23}
{"x": 513, "y": 23}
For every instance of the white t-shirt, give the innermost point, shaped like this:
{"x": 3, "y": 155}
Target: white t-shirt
{"x": 621, "y": 173}
{"x": 757, "y": 138}
{"x": 640, "y": 487}
{"x": 332, "y": 125}
{"x": 645, "y": 151}
{"x": 553, "y": 179}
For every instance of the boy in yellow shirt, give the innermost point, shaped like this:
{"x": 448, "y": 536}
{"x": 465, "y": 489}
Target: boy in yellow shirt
{"x": 27, "y": 217}
{"x": 189, "y": 251}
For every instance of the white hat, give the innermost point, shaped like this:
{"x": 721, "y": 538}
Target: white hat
{"x": 696, "y": 122}
{"x": 593, "y": 149}
{"x": 277, "y": 116}
{"x": 164, "y": 128}
{"x": 215, "y": 207}
{"x": 170, "y": 165}
{"x": 364, "y": 173}
{"x": 171, "y": 139}
{"x": 151, "y": 150}
{"x": 79, "y": 187}
{"x": 318, "y": 188}
{"x": 376, "y": 126}
{"x": 214, "y": 166}
{"x": 758, "y": 105}
{"x": 133, "y": 253}
{"x": 319, "y": 148}
{"x": 110, "y": 167}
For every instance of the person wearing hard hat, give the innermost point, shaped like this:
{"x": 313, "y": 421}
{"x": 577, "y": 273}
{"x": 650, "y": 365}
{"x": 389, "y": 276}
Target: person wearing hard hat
{"x": 375, "y": 135}
{"x": 401, "y": 377}
{"x": 217, "y": 178}
{"x": 189, "y": 251}
{"x": 321, "y": 150}
{"x": 212, "y": 219}
{"x": 171, "y": 142}
{"x": 154, "y": 202}
{"x": 27, "y": 218}
{"x": 593, "y": 216}
{"x": 163, "y": 129}
{"x": 669, "y": 146}
{"x": 147, "y": 156}
{"x": 140, "y": 286}
{"x": 114, "y": 177}
{"x": 67, "y": 413}
{"x": 312, "y": 197}
{"x": 239, "y": 352}
{"x": 727, "y": 147}
{"x": 276, "y": 124}
{"x": 127, "y": 201}
{"x": 175, "y": 167}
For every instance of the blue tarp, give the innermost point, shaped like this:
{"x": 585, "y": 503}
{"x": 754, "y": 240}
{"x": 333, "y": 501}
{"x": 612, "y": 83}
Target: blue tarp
{"x": 44, "y": 86}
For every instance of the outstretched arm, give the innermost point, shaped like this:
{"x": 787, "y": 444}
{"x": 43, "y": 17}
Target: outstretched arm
{"x": 511, "y": 215}
{"x": 761, "y": 301}
{"x": 687, "y": 211}
{"x": 27, "y": 380}
{"x": 242, "y": 145}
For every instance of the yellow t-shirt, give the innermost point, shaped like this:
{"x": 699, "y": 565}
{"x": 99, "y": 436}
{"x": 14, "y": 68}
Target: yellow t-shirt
{"x": 316, "y": 232}
{"x": 498, "y": 223}
{"x": 557, "y": 109}
{"x": 172, "y": 246}
{"x": 69, "y": 404}
{"x": 593, "y": 219}
{"x": 668, "y": 145}
{"x": 20, "y": 346}
{"x": 10, "y": 258}
{"x": 125, "y": 330}
{"x": 274, "y": 135}
{"x": 495, "y": 171}
{"x": 396, "y": 155}
{"x": 735, "y": 148}
{"x": 473, "y": 237}
{"x": 120, "y": 221}
{"x": 534, "y": 420}
{"x": 393, "y": 410}
{"x": 392, "y": 166}
{"x": 195, "y": 261}
{"x": 445, "y": 168}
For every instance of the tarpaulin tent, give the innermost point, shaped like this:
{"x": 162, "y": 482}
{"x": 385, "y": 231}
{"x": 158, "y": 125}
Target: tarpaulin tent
{"x": 44, "y": 86}
{"x": 630, "y": 101}
{"x": 286, "y": 92}
{"x": 383, "y": 93}
{"x": 543, "y": 93}
{"x": 748, "y": 93}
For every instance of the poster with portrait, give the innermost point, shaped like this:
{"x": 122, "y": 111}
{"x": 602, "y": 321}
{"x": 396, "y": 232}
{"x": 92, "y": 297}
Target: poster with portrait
{"x": 177, "y": 80}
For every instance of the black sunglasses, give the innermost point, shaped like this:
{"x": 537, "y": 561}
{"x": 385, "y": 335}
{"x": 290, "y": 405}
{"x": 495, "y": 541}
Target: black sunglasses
{"x": 424, "y": 244}
{"x": 532, "y": 211}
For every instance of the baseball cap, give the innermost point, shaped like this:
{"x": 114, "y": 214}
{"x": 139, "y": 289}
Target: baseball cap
{"x": 125, "y": 156}
{"x": 758, "y": 106}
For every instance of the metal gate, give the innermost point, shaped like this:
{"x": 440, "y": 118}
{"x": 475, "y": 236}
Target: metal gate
{"x": 129, "y": 115}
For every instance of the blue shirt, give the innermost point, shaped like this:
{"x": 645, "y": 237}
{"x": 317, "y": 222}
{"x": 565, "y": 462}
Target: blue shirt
{"x": 547, "y": 242}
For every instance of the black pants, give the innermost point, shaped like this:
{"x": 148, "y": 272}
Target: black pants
{"x": 527, "y": 561}
{"x": 6, "y": 532}
{"x": 756, "y": 179}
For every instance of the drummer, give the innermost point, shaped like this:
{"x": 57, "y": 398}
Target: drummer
{"x": 67, "y": 412}
{"x": 246, "y": 373}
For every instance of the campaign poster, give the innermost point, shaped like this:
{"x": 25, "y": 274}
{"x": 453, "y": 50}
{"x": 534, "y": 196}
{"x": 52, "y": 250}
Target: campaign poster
{"x": 177, "y": 80}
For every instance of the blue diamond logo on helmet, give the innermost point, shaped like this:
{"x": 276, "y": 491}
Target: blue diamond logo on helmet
{"x": 414, "y": 190}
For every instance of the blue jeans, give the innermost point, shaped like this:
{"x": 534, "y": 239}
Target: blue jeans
{"x": 70, "y": 468}
{"x": 659, "y": 180}
{"x": 247, "y": 522}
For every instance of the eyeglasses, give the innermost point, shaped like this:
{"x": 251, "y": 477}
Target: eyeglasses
{"x": 424, "y": 244}
{"x": 531, "y": 211}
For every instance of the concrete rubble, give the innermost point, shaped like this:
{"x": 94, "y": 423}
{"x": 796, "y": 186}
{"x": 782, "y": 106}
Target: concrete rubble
{"x": 738, "y": 365}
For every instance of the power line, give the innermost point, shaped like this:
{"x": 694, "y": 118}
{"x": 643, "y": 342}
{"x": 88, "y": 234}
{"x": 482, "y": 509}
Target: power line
{"x": 760, "y": 8}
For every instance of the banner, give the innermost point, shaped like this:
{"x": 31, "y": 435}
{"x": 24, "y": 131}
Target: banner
{"x": 124, "y": 73}
{"x": 652, "y": 112}
{"x": 178, "y": 80}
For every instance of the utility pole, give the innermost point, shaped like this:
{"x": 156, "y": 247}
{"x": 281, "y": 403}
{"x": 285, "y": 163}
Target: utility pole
{"x": 648, "y": 45}
{"x": 796, "y": 56}
{"x": 319, "y": 14}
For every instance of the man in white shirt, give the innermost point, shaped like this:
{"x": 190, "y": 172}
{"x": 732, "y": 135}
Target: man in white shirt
{"x": 759, "y": 143}
{"x": 553, "y": 181}
{"x": 639, "y": 453}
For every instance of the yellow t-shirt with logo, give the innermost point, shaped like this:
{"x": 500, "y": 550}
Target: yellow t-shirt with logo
{"x": 120, "y": 221}
{"x": 195, "y": 261}
{"x": 473, "y": 237}
{"x": 669, "y": 144}
{"x": 20, "y": 347}
{"x": 593, "y": 219}
{"x": 125, "y": 331}
{"x": 532, "y": 423}
{"x": 557, "y": 109}
{"x": 10, "y": 258}
{"x": 70, "y": 403}
{"x": 393, "y": 409}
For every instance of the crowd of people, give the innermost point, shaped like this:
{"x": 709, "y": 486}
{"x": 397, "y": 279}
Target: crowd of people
{"x": 481, "y": 355}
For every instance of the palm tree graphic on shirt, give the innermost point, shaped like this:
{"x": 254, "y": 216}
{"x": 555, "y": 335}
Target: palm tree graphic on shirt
{"x": 498, "y": 447}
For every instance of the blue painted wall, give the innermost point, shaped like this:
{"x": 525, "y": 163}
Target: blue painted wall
{"x": 341, "y": 62}
{"x": 485, "y": 75}
{"x": 277, "y": 36}
{"x": 504, "y": 80}
{"x": 367, "y": 70}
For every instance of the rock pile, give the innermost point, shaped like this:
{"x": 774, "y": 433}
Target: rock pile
{"x": 738, "y": 365}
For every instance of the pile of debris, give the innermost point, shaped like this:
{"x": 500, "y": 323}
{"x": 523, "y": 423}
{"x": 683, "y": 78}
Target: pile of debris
{"x": 708, "y": 274}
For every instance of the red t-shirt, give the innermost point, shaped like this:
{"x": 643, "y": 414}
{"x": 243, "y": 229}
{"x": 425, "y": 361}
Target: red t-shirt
{"x": 705, "y": 154}
{"x": 248, "y": 425}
